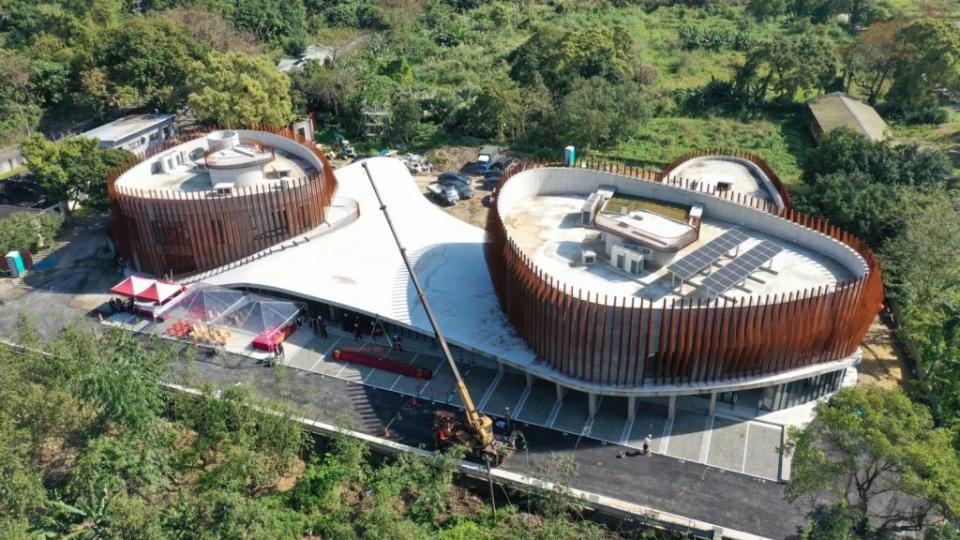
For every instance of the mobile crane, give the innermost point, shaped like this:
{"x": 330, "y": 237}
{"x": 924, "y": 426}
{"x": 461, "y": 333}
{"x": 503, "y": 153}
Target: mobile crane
{"x": 474, "y": 430}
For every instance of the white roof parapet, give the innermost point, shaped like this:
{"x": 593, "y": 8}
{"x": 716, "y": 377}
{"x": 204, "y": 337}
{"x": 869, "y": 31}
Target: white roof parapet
{"x": 126, "y": 127}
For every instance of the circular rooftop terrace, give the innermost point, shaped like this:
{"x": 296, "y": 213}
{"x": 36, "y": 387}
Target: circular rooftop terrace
{"x": 208, "y": 199}
{"x": 239, "y": 157}
{"x": 760, "y": 290}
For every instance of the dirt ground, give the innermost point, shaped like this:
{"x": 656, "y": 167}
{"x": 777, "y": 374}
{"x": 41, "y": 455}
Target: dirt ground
{"x": 882, "y": 365}
{"x": 453, "y": 158}
{"x": 471, "y": 210}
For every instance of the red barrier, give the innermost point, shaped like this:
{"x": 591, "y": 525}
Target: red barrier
{"x": 373, "y": 360}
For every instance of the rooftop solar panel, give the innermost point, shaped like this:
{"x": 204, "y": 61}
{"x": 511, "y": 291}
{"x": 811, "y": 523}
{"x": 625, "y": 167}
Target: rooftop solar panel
{"x": 741, "y": 267}
{"x": 702, "y": 257}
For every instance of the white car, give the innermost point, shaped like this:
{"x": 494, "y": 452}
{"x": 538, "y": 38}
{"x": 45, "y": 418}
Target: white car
{"x": 416, "y": 164}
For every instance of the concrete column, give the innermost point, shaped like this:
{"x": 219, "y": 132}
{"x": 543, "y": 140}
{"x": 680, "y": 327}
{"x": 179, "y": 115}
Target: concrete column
{"x": 631, "y": 408}
{"x": 713, "y": 404}
{"x": 561, "y": 392}
{"x": 672, "y": 408}
{"x": 530, "y": 379}
{"x": 592, "y": 400}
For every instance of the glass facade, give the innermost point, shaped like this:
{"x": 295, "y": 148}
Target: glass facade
{"x": 771, "y": 398}
{"x": 793, "y": 393}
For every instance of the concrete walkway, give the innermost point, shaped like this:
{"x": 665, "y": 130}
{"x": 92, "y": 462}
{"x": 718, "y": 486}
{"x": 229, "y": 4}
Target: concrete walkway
{"x": 733, "y": 444}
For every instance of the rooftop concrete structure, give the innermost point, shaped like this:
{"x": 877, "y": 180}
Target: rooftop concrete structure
{"x": 242, "y": 157}
{"x": 724, "y": 173}
{"x": 137, "y": 133}
{"x": 208, "y": 199}
{"x": 543, "y": 228}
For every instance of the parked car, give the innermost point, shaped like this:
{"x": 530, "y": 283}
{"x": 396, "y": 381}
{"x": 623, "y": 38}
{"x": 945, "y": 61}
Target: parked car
{"x": 463, "y": 190}
{"x": 344, "y": 148}
{"x": 488, "y": 155}
{"x": 502, "y": 164}
{"x": 490, "y": 182}
{"x": 448, "y": 178}
{"x": 416, "y": 164}
{"x": 443, "y": 194}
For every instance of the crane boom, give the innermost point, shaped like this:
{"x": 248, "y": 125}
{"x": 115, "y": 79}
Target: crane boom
{"x": 481, "y": 425}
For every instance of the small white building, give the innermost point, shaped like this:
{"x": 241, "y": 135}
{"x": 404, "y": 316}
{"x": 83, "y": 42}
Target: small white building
{"x": 137, "y": 133}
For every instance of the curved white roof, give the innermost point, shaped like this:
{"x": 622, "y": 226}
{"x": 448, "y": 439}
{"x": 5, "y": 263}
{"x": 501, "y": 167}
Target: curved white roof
{"x": 359, "y": 267}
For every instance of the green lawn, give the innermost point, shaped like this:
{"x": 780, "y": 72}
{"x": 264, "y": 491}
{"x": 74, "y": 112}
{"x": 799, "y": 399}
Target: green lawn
{"x": 944, "y": 137}
{"x": 782, "y": 144}
{"x": 672, "y": 211}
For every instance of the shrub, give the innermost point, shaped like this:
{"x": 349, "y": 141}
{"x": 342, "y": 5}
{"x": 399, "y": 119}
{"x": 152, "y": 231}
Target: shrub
{"x": 713, "y": 39}
{"x": 28, "y": 231}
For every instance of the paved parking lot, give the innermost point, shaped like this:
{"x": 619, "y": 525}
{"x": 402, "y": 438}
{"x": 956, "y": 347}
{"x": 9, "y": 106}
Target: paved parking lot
{"x": 747, "y": 447}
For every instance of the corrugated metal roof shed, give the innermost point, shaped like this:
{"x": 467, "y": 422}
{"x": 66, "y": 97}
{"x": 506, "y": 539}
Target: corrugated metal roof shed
{"x": 840, "y": 110}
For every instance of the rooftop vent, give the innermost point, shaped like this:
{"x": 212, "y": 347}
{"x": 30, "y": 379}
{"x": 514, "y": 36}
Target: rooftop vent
{"x": 588, "y": 257}
{"x": 221, "y": 140}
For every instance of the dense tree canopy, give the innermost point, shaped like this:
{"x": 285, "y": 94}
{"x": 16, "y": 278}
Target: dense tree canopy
{"x": 504, "y": 110}
{"x": 874, "y": 456}
{"x": 272, "y": 20}
{"x": 928, "y": 62}
{"x": 73, "y": 170}
{"x": 83, "y": 455}
{"x": 147, "y": 59}
{"x": 787, "y": 65}
{"x": 28, "y": 231}
{"x": 922, "y": 273}
{"x": 862, "y": 185}
{"x": 595, "y": 113}
{"x": 238, "y": 90}
{"x": 870, "y": 59}
{"x": 559, "y": 56}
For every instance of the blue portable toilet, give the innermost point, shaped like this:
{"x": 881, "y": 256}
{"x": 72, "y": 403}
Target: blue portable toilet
{"x": 15, "y": 264}
{"x": 569, "y": 156}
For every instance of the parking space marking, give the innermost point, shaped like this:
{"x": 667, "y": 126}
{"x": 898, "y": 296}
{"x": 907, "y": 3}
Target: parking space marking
{"x": 412, "y": 361}
{"x": 707, "y": 436}
{"x": 324, "y": 354}
{"x": 554, "y": 413}
{"x": 490, "y": 390}
{"x": 665, "y": 439}
{"x": 522, "y": 401}
{"x": 746, "y": 444}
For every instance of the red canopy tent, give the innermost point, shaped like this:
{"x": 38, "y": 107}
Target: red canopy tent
{"x": 132, "y": 286}
{"x": 142, "y": 288}
{"x": 160, "y": 292}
